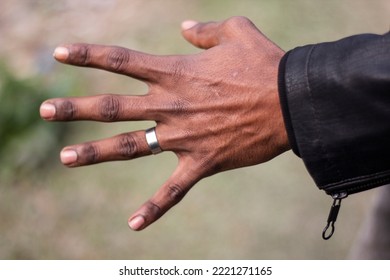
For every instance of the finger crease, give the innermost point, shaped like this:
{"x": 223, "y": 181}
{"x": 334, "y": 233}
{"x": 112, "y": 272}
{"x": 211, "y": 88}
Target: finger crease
{"x": 127, "y": 146}
{"x": 85, "y": 56}
{"x": 180, "y": 107}
{"x": 91, "y": 153}
{"x": 175, "y": 193}
{"x": 117, "y": 59}
{"x": 109, "y": 108}
{"x": 155, "y": 208}
{"x": 67, "y": 110}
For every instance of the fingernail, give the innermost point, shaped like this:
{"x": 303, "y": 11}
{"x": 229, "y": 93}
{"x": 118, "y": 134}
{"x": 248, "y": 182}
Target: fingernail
{"x": 68, "y": 156}
{"x": 61, "y": 53}
{"x": 136, "y": 223}
{"x": 47, "y": 110}
{"x": 188, "y": 24}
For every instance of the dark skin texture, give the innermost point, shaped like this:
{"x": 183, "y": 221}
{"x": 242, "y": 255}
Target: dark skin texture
{"x": 216, "y": 110}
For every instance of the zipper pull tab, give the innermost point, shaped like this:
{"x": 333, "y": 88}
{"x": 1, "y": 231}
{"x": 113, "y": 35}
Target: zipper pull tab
{"x": 334, "y": 211}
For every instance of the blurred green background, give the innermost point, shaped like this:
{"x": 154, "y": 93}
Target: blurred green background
{"x": 47, "y": 211}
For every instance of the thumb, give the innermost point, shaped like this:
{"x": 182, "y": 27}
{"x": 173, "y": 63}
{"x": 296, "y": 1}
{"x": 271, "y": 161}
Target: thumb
{"x": 211, "y": 34}
{"x": 201, "y": 35}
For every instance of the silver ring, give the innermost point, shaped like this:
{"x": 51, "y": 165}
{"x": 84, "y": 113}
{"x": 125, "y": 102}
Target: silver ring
{"x": 151, "y": 139}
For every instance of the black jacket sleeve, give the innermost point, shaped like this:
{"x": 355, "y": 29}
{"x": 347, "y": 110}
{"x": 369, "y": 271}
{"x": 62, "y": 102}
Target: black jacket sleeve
{"x": 335, "y": 99}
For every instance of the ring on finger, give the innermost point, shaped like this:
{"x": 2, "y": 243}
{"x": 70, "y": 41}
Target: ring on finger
{"x": 151, "y": 139}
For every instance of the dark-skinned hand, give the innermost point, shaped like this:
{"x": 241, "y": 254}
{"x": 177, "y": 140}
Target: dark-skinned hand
{"x": 216, "y": 110}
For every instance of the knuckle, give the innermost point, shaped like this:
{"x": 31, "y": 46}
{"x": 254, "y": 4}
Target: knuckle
{"x": 237, "y": 22}
{"x": 109, "y": 108}
{"x": 179, "y": 107}
{"x": 66, "y": 111}
{"x": 127, "y": 146}
{"x": 175, "y": 193}
{"x": 83, "y": 55}
{"x": 153, "y": 210}
{"x": 89, "y": 153}
{"x": 117, "y": 59}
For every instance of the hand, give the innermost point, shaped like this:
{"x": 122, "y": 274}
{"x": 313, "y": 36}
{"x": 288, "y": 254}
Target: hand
{"x": 216, "y": 110}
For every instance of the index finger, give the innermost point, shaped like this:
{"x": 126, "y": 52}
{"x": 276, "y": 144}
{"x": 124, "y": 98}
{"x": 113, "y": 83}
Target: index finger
{"x": 115, "y": 59}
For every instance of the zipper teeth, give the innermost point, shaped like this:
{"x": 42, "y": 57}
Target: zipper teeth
{"x": 370, "y": 185}
{"x": 360, "y": 188}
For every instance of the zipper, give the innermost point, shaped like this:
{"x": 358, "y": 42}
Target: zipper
{"x": 333, "y": 213}
{"x": 339, "y": 196}
{"x": 359, "y": 188}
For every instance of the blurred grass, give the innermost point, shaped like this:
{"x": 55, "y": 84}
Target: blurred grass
{"x": 25, "y": 140}
{"x": 272, "y": 211}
